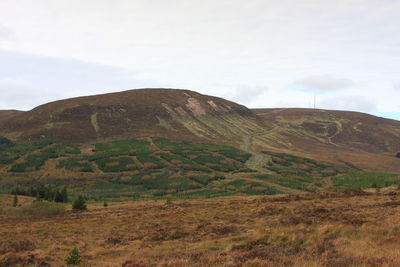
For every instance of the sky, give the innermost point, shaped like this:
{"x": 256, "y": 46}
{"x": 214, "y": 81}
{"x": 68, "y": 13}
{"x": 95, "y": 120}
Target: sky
{"x": 259, "y": 53}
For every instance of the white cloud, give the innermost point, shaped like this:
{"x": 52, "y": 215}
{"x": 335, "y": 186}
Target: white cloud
{"x": 6, "y": 33}
{"x": 27, "y": 81}
{"x": 246, "y": 95}
{"x": 353, "y": 103}
{"x": 324, "y": 83}
{"x": 224, "y": 47}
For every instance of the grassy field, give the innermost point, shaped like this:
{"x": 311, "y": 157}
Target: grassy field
{"x": 360, "y": 179}
{"x": 351, "y": 228}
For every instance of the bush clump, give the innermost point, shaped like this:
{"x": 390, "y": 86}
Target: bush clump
{"x": 79, "y": 204}
{"x": 73, "y": 258}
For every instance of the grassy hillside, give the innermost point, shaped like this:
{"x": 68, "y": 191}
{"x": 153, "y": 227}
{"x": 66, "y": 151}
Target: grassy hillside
{"x": 132, "y": 114}
{"x": 160, "y": 168}
{"x": 340, "y": 138}
{"x": 344, "y": 138}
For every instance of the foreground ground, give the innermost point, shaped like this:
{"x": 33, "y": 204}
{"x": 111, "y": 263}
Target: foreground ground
{"x": 352, "y": 228}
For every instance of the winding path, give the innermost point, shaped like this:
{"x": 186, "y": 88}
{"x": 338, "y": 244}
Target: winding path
{"x": 258, "y": 160}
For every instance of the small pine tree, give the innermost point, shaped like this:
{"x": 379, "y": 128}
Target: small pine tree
{"x": 41, "y": 191}
{"x": 105, "y": 204}
{"x": 79, "y": 203}
{"x": 73, "y": 258}
{"x": 58, "y": 197}
{"x": 15, "y": 201}
{"x": 48, "y": 193}
{"x": 64, "y": 194}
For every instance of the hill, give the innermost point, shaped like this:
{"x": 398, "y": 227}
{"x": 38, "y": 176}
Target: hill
{"x": 7, "y": 114}
{"x": 340, "y": 130}
{"x": 156, "y": 143}
{"x": 352, "y": 139}
{"x": 133, "y": 113}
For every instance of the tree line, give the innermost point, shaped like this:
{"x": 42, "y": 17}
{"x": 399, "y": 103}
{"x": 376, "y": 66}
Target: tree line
{"x": 42, "y": 192}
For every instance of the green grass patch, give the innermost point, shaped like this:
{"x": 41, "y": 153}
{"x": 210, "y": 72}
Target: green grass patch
{"x": 189, "y": 147}
{"x": 35, "y": 161}
{"x": 123, "y": 147}
{"x": 299, "y": 168}
{"x": 362, "y": 179}
{"x": 116, "y": 164}
{"x": 184, "y": 163}
{"x": 75, "y": 165}
{"x": 9, "y": 152}
{"x": 290, "y": 182}
{"x": 163, "y": 181}
{"x": 150, "y": 162}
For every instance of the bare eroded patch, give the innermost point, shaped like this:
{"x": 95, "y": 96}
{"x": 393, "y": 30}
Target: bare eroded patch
{"x": 194, "y": 105}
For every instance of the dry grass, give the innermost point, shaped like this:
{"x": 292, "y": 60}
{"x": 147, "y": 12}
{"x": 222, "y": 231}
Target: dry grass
{"x": 325, "y": 229}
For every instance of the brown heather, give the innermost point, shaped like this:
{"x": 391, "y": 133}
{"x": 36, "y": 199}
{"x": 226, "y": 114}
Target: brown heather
{"x": 352, "y": 228}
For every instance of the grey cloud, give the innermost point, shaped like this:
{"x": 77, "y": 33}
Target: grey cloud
{"x": 324, "y": 83}
{"x": 247, "y": 94}
{"x": 18, "y": 95}
{"x": 6, "y": 33}
{"x": 355, "y": 103}
{"x": 27, "y": 81}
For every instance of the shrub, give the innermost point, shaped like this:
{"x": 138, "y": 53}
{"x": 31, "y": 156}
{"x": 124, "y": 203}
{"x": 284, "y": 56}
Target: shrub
{"x": 398, "y": 155}
{"x": 79, "y": 203}
{"x": 73, "y": 258}
{"x": 5, "y": 143}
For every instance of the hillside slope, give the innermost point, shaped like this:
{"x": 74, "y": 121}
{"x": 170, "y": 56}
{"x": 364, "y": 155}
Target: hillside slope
{"x": 133, "y": 113}
{"x": 7, "y": 114}
{"x": 348, "y": 138}
{"x": 159, "y": 167}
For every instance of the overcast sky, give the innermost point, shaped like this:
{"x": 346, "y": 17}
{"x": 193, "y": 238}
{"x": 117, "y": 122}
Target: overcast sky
{"x": 260, "y": 53}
